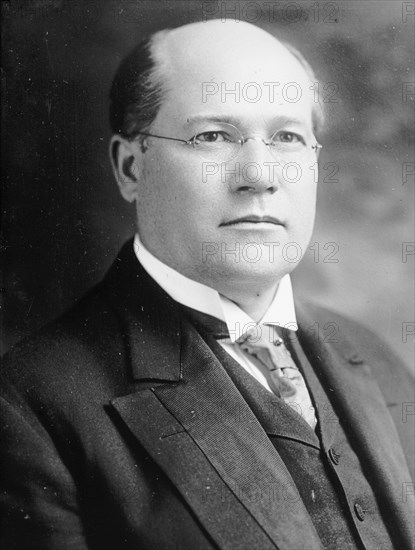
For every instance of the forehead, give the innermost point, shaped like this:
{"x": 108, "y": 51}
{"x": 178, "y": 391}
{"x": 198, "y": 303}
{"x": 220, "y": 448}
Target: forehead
{"x": 238, "y": 71}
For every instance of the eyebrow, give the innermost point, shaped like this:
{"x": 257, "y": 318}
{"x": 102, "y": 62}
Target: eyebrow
{"x": 281, "y": 119}
{"x": 212, "y": 118}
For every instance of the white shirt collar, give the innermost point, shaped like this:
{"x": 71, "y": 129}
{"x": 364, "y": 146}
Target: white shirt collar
{"x": 205, "y": 299}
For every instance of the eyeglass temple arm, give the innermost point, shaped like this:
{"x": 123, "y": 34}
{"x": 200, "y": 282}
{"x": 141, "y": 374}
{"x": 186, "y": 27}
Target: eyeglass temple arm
{"x": 163, "y": 137}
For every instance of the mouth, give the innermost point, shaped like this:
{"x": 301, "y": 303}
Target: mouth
{"x": 252, "y": 219}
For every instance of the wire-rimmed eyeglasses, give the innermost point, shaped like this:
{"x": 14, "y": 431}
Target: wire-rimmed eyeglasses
{"x": 223, "y": 142}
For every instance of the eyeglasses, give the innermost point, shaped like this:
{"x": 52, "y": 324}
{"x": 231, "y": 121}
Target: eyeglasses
{"x": 223, "y": 142}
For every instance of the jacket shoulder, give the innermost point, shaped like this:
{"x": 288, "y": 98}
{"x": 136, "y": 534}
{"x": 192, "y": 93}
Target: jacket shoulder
{"x": 361, "y": 343}
{"x": 66, "y": 353}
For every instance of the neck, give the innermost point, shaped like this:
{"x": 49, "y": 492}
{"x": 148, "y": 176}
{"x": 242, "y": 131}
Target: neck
{"x": 254, "y": 303}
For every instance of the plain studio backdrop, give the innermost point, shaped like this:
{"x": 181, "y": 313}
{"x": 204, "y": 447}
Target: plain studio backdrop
{"x": 63, "y": 218}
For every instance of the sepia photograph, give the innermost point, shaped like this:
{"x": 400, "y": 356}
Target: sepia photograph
{"x": 208, "y": 302}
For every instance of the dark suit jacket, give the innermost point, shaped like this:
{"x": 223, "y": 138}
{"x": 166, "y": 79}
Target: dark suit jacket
{"x": 121, "y": 429}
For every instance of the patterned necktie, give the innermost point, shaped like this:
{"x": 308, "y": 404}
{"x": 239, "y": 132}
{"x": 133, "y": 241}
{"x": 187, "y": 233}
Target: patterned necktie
{"x": 284, "y": 377}
{"x": 269, "y": 355}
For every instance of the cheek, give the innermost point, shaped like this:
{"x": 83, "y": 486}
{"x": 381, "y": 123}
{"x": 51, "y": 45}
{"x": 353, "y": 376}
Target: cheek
{"x": 183, "y": 178}
{"x": 303, "y": 207}
{"x": 306, "y": 192}
{"x": 173, "y": 192}
{"x": 307, "y": 200}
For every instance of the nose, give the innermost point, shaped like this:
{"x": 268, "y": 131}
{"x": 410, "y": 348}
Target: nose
{"x": 257, "y": 168}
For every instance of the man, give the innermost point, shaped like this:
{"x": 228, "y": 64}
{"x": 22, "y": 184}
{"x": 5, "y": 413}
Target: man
{"x": 176, "y": 405}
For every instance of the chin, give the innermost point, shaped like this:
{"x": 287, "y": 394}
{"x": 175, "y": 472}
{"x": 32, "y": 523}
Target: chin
{"x": 243, "y": 273}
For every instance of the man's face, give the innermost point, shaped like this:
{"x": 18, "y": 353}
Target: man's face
{"x": 202, "y": 216}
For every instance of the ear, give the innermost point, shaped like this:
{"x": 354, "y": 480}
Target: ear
{"x": 124, "y": 161}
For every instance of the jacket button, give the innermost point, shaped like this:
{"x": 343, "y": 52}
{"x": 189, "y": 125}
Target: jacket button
{"x": 334, "y": 457}
{"x": 359, "y": 511}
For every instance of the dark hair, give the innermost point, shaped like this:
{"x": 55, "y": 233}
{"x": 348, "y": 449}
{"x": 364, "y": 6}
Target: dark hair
{"x": 135, "y": 95}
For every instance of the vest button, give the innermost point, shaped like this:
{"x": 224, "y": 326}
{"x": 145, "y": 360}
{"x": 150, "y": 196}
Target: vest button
{"x": 334, "y": 457}
{"x": 359, "y": 511}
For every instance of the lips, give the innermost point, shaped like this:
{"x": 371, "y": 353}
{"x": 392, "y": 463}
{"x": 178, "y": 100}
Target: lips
{"x": 252, "y": 219}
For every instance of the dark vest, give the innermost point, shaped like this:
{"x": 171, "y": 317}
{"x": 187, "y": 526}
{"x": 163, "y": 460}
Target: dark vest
{"x": 324, "y": 465}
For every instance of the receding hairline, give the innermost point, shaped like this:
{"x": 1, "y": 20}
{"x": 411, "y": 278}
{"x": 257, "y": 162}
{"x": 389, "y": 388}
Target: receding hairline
{"x": 163, "y": 67}
{"x": 159, "y": 70}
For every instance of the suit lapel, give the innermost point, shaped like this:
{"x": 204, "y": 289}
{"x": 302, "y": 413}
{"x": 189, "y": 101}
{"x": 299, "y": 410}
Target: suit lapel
{"x": 191, "y": 419}
{"x": 205, "y": 437}
{"x": 362, "y": 408}
{"x": 215, "y": 506}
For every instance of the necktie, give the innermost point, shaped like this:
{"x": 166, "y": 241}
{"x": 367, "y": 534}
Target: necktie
{"x": 270, "y": 353}
{"x": 284, "y": 377}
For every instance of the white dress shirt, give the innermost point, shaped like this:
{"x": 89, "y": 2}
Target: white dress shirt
{"x": 205, "y": 299}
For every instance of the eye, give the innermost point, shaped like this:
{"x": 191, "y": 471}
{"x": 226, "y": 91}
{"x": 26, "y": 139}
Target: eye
{"x": 212, "y": 137}
{"x": 287, "y": 137}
